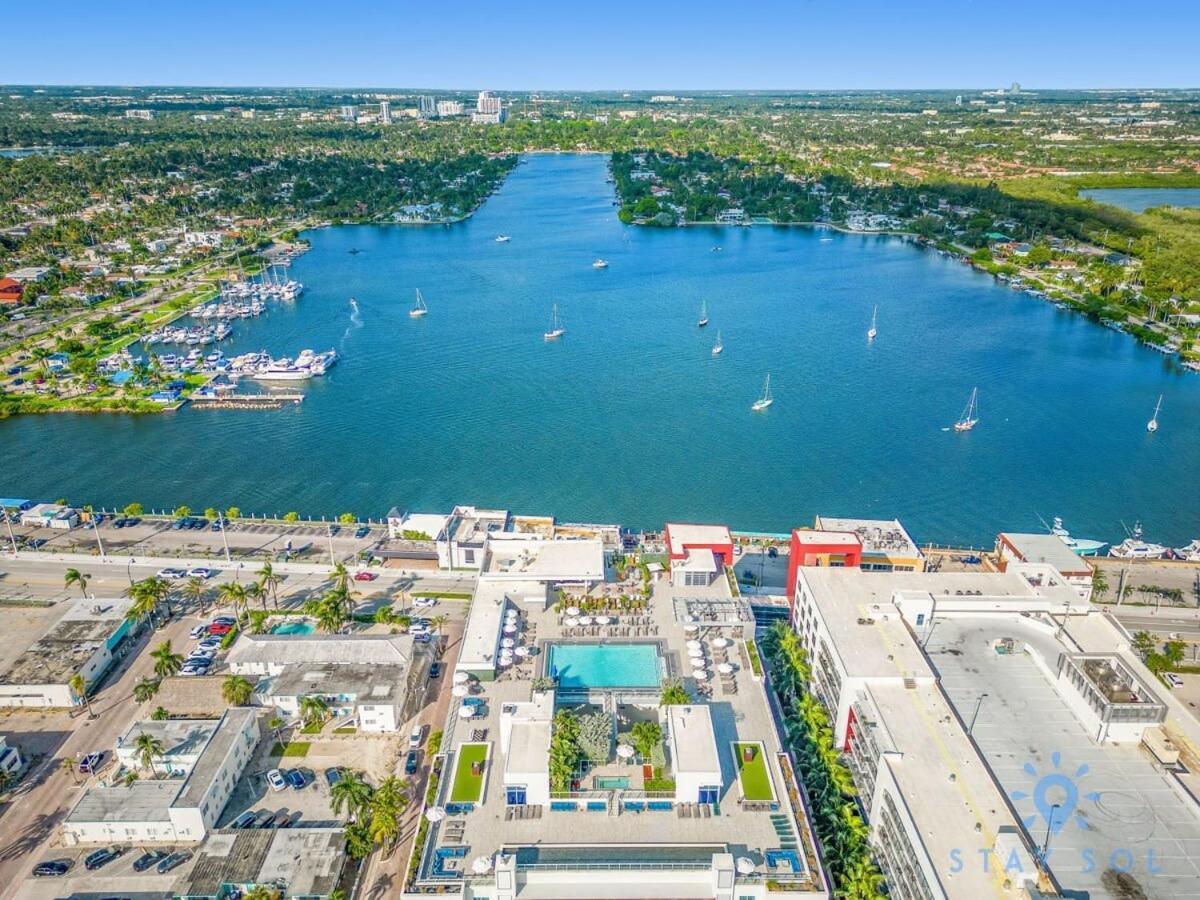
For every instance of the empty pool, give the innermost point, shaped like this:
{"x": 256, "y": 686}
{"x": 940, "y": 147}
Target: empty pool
{"x": 604, "y": 665}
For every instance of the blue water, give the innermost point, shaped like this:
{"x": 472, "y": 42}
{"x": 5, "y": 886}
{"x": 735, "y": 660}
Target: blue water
{"x": 1141, "y": 199}
{"x": 293, "y": 628}
{"x": 604, "y": 665}
{"x": 628, "y": 418}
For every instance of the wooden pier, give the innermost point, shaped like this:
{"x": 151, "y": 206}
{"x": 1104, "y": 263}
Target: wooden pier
{"x": 248, "y": 401}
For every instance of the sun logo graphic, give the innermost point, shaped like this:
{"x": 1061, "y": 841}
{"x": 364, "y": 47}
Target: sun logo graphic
{"x": 1055, "y": 796}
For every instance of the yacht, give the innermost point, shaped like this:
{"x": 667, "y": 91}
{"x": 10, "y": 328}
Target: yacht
{"x": 322, "y": 362}
{"x": 970, "y": 417}
{"x": 873, "y": 331}
{"x": 600, "y": 264}
{"x": 1190, "y": 553}
{"x": 1080, "y": 546}
{"x": 502, "y": 239}
{"x": 282, "y": 369}
{"x": 766, "y": 399}
{"x": 718, "y": 346}
{"x": 556, "y": 329}
{"x": 703, "y": 320}
{"x": 1152, "y": 425}
{"x": 420, "y": 309}
{"x": 1135, "y": 547}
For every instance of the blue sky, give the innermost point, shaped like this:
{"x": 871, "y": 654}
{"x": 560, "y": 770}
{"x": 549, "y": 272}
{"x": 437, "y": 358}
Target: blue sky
{"x": 567, "y": 45}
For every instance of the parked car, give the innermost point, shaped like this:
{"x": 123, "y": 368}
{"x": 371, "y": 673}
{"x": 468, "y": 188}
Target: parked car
{"x": 412, "y": 761}
{"x": 363, "y": 531}
{"x": 423, "y": 637}
{"x": 201, "y": 655}
{"x": 333, "y": 775}
{"x": 210, "y": 643}
{"x": 175, "y": 859}
{"x": 91, "y": 762}
{"x": 201, "y": 572}
{"x": 119, "y": 523}
{"x": 295, "y": 778}
{"x": 415, "y": 738}
{"x": 972, "y": 560}
{"x": 291, "y": 820}
{"x": 473, "y": 701}
{"x": 1173, "y": 680}
{"x": 149, "y": 858}
{"x": 53, "y": 868}
{"x": 365, "y": 576}
{"x": 219, "y": 628}
{"x": 224, "y": 620}
{"x": 171, "y": 574}
{"x": 131, "y": 521}
{"x": 198, "y": 632}
{"x": 275, "y": 780}
{"x": 196, "y": 668}
{"x": 423, "y": 602}
{"x": 773, "y": 552}
{"x": 216, "y": 525}
{"x": 263, "y": 818}
{"x": 435, "y": 670}
{"x": 102, "y": 857}
{"x": 280, "y": 819}
{"x": 245, "y": 820}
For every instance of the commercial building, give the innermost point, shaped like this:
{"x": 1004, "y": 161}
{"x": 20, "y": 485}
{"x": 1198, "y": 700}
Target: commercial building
{"x": 698, "y": 553}
{"x": 182, "y": 806}
{"x": 426, "y": 107}
{"x": 82, "y": 642}
{"x": 295, "y": 862}
{"x": 374, "y": 682}
{"x": 349, "y": 113}
{"x": 1049, "y": 549}
{"x": 840, "y": 549}
{"x": 460, "y": 544}
{"x": 146, "y": 114}
{"x": 50, "y": 515}
{"x": 886, "y": 544}
{"x": 385, "y": 112}
{"x": 489, "y": 110}
{"x": 449, "y": 108}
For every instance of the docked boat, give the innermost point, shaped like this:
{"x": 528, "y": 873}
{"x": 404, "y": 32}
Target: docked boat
{"x": 600, "y": 264}
{"x": 1080, "y": 546}
{"x": 703, "y": 320}
{"x": 970, "y": 416}
{"x": 718, "y": 347}
{"x": 282, "y": 369}
{"x": 556, "y": 329}
{"x": 1152, "y": 425}
{"x": 1190, "y": 553}
{"x": 420, "y": 309}
{"x": 766, "y": 399}
{"x": 873, "y": 331}
{"x": 502, "y": 239}
{"x": 1136, "y": 547}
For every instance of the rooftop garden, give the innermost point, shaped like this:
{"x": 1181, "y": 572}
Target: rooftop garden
{"x": 752, "y": 771}
{"x": 469, "y": 768}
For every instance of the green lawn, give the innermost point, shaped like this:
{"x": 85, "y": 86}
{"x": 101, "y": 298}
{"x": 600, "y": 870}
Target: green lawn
{"x": 756, "y": 783}
{"x": 293, "y": 748}
{"x": 468, "y": 788}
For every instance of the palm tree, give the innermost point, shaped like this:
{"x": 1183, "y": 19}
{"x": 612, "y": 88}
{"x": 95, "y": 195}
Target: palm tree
{"x": 166, "y": 661}
{"x": 234, "y": 594}
{"x": 74, "y": 576}
{"x": 340, "y": 576}
{"x": 160, "y": 714}
{"x": 438, "y": 622}
{"x": 328, "y": 612}
{"x": 387, "y": 806}
{"x": 350, "y": 793}
{"x": 145, "y": 689}
{"x": 270, "y": 581}
{"x": 236, "y": 690}
{"x": 143, "y": 607}
{"x": 313, "y": 709}
{"x": 194, "y": 590}
{"x": 148, "y": 747}
{"x": 254, "y": 591}
{"x": 68, "y": 765}
{"x": 261, "y": 892}
{"x": 78, "y": 686}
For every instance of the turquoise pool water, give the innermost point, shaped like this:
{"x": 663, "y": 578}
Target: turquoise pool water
{"x": 604, "y": 665}
{"x": 610, "y": 783}
{"x": 294, "y": 628}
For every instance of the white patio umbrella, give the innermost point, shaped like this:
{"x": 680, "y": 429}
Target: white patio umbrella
{"x": 625, "y": 751}
{"x": 725, "y": 668}
{"x": 693, "y": 644}
{"x": 460, "y": 690}
{"x": 700, "y": 674}
{"x": 572, "y": 610}
{"x": 522, "y": 651}
{"x": 570, "y": 621}
{"x": 508, "y": 643}
{"x": 482, "y": 865}
{"x": 721, "y": 642}
{"x": 461, "y": 677}
{"x": 435, "y": 814}
{"x": 691, "y": 629}
{"x": 695, "y": 653}
{"x": 585, "y": 620}
{"x": 745, "y": 865}
{"x": 601, "y": 620}
{"x": 510, "y": 629}
{"x": 466, "y": 712}
{"x": 504, "y": 660}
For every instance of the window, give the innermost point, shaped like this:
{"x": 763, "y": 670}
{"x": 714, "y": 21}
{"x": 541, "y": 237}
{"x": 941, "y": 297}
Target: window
{"x": 920, "y": 619}
{"x": 515, "y": 795}
{"x": 469, "y": 556}
{"x": 710, "y": 793}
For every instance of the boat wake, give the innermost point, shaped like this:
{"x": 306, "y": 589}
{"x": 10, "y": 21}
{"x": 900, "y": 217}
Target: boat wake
{"x": 355, "y": 320}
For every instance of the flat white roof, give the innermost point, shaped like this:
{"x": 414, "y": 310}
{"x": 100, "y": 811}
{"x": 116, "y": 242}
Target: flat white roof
{"x": 431, "y": 524}
{"x": 523, "y": 559}
{"x": 685, "y": 534}
{"x": 481, "y": 636}
{"x": 878, "y": 536}
{"x": 693, "y": 745}
{"x": 1046, "y": 548}
{"x": 810, "y": 536}
{"x": 528, "y": 748}
{"x": 699, "y": 561}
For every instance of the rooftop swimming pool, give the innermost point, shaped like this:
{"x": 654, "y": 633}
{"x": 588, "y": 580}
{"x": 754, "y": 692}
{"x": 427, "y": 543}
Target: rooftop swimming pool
{"x": 604, "y": 665}
{"x": 294, "y": 628}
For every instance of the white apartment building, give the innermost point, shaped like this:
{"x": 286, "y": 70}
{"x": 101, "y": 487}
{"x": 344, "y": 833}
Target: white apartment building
{"x": 449, "y": 108}
{"x": 385, "y": 112}
{"x": 1049, "y": 549}
{"x": 489, "y": 110}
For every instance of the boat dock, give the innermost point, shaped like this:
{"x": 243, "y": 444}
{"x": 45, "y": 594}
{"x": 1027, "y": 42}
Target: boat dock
{"x": 248, "y": 401}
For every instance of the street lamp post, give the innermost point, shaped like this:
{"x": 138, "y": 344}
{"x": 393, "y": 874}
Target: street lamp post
{"x": 1049, "y": 829}
{"x": 978, "y": 703}
{"x": 224, "y": 537}
{"x": 12, "y": 537}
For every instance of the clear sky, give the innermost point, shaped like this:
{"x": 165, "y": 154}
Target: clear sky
{"x": 572, "y": 45}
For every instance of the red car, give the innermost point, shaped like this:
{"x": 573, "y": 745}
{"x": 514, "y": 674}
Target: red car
{"x": 365, "y": 576}
{"x": 219, "y": 628}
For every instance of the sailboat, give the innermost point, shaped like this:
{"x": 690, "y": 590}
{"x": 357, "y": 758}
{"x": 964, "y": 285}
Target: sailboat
{"x": 766, "y": 399}
{"x": 873, "y": 331}
{"x": 718, "y": 346}
{"x": 1152, "y": 425}
{"x": 420, "y": 309}
{"x": 556, "y": 327}
{"x": 970, "y": 416}
{"x": 703, "y": 320}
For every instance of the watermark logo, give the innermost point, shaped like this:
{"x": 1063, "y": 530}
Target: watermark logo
{"x": 1055, "y": 796}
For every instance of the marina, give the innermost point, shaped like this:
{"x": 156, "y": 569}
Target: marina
{"x": 629, "y": 416}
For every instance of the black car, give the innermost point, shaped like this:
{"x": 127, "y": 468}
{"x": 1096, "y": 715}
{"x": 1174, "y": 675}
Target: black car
{"x": 53, "y": 868}
{"x": 333, "y": 776}
{"x": 412, "y": 761}
{"x": 102, "y": 857}
{"x": 435, "y": 670}
{"x": 149, "y": 858}
{"x": 175, "y": 859}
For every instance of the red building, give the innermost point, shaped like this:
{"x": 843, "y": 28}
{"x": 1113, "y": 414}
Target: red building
{"x": 10, "y": 291}
{"x": 821, "y": 548}
{"x": 698, "y": 552}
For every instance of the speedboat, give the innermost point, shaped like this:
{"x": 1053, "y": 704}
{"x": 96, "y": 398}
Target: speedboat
{"x": 1080, "y": 546}
{"x": 282, "y": 370}
{"x": 502, "y": 239}
{"x": 1190, "y": 553}
{"x": 600, "y": 264}
{"x": 1135, "y": 547}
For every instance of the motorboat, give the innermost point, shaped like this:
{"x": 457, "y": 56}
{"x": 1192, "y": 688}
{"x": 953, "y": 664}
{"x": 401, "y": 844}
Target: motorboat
{"x": 1080, "y": 546}
{"x": 1136, "y": 547}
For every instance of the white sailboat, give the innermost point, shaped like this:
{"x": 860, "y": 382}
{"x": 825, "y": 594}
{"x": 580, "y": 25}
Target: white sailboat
{"x": 766, "y": 399}
{"x": 873, "y": 331}
{"x": 556, "y": 327}
{"x": 718, "y": 346}
{"x": 970, "y": 417}
{"x": 420, "y": 309}
{"x": 1152, "y": 425}
{"x": 703, "y": 320}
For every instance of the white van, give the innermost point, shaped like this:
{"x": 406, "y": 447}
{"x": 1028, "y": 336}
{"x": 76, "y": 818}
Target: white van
{"x": 414, "y": 739}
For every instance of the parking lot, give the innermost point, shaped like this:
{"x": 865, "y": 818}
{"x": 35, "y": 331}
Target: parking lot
{"x": 116, "y": 879}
